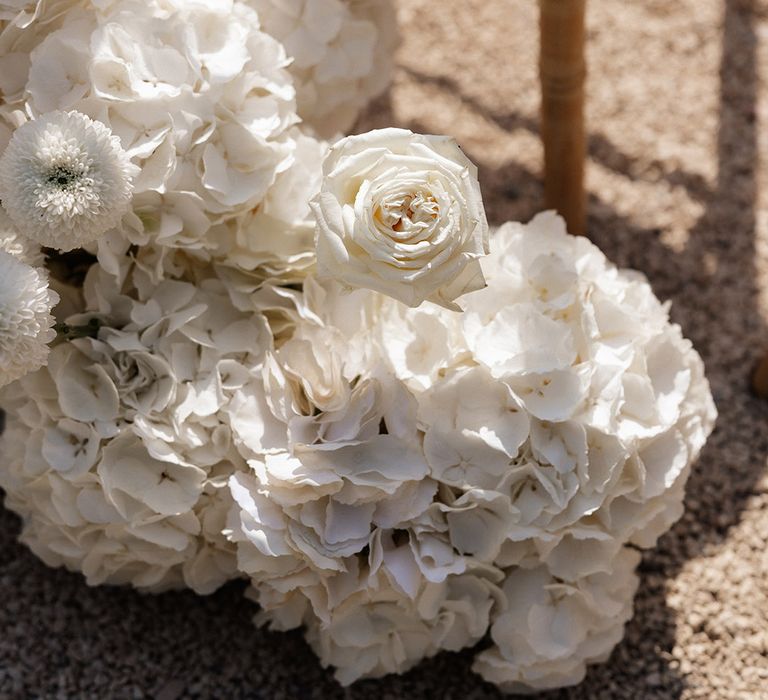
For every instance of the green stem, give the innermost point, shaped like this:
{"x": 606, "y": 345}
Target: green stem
{"x": 89, "y": 330}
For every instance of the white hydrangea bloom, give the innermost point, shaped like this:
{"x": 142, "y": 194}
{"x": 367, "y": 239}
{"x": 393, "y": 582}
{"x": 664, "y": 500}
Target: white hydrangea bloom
{"x": 550, "y": 629}
{"x": 26, "y": 323}
{"x": 558, "y": 417}
{"x": 335, "y": 454}
{"x": 201, "y": 100}
{"x": 336, "y": 510}
{"x": 276, "y": 240}
{"x": 17, "y": 15}
{"x": 342, "y": 53}
{"x": 562, "y": 390}
{"x": 421, "y": 344}
{"x": 527, "y": 475}
{"x": 65, "y": 180}
{"x": 118, "y": 453}
{"x": 380, "y": 630}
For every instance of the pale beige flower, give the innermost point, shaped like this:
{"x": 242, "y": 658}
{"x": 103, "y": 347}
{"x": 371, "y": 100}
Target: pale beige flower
{"x": 401, "y": 213}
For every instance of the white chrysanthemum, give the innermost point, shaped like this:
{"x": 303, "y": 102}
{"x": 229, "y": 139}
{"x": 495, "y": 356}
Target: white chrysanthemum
{"x": 65, "y": 180}
{"x": 26, "y": 324}
{"x": 17, "y": 245}
{"x": 21, "y": 248}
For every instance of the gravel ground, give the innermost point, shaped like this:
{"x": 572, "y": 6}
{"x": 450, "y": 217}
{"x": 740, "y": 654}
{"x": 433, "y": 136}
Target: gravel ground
{"x": 676, "y": 187}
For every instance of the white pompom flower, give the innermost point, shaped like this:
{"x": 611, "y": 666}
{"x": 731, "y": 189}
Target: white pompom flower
{"x": 65, "y": 180}
{"x": 12, "y": 242}
{"x": 26, "y": 324}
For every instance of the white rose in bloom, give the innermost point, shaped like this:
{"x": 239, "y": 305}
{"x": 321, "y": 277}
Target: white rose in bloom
{"x": 65, "y": 180}
{"x": 342, "y": 54}
{"x": 26, "y": 323}
{"x": 402, "y": 214}
{"x": 550, "y": 630}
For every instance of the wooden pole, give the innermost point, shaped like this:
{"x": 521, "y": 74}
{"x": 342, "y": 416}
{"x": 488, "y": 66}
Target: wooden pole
{"x": 562, "y": 70}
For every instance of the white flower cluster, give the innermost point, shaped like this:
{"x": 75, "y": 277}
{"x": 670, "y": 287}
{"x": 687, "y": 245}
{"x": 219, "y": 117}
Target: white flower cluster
{"x": 201, "y": 99}
{"x": 163, "y": 132}
{"x": 116, "y": 453}
{"x": 398, "y": 480}
{"x": 420, "y": 475}
{"x": 398, "y": 476}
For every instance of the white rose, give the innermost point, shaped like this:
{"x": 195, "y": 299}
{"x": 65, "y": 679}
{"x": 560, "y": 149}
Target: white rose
{"x": 401, "y": 213}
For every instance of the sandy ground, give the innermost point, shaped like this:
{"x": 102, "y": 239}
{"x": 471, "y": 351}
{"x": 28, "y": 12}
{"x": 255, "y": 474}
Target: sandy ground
{"x": 678, "y": 138}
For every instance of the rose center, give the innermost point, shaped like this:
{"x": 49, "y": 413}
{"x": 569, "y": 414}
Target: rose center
{"x": 407, "y": 212}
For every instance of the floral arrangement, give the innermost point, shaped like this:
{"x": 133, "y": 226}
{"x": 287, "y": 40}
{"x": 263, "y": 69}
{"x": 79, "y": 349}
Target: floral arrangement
{"x": 235, "y": 344}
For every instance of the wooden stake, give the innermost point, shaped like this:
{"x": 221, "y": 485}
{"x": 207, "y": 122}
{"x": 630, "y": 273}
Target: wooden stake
{"x": 562, "y": 70}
